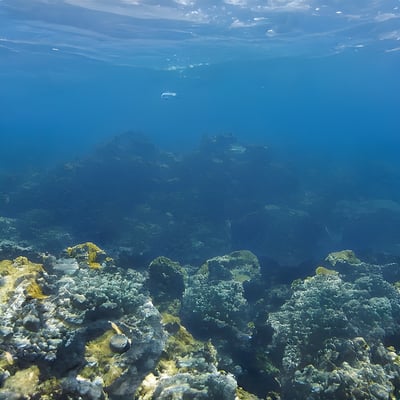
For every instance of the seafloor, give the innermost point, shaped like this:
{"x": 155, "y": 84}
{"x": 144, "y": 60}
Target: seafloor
{"x": 223, "y": 273}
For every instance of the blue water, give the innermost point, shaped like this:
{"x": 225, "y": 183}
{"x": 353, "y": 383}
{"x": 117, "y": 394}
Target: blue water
{"x": 339, "y": 105}
{"x": 316, "y": 83}
{"x": 313, "y": 77}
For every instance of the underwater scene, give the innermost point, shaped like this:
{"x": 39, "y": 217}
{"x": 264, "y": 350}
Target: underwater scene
{"x": 199, "y": 199}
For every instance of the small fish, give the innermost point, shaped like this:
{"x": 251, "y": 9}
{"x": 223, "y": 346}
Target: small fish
{"x": 168, "y": 95}
{"x": 116, "y": 328}
{"x": 9, "y": 358}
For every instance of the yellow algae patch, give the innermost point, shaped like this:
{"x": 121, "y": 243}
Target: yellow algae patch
{"x": 325, "y": 271}
{"x": 6, "y": 267}
{"x": 243, "y": 395}
{"x": 25, "y": 381}
{"x": 34, "y": 291}
{"x": 167, "y": 318}
{"x": 147, "y": 387}
{"x": 89, "y": 253}
{"x": 116, "y": 328}
{"x": 181, "y": 342}
{"x": 344, "y": 256}
{"x": 19, "y": 272}
{"x": 50, "y": 389}
{"x": 101, "y": 360}
{"x": 6, "y": 361}
{"x": 22, "y": 263}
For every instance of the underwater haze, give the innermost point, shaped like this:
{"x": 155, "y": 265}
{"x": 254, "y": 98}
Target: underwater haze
{"x": 200, "y": 199}
{"x": 316, "y": 83}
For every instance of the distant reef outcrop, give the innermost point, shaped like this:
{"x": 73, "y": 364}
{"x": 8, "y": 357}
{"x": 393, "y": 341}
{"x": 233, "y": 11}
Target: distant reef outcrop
{"x": 138, "y": 201}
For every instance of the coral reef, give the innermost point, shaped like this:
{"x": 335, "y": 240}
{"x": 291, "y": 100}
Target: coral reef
{"x": 215, "y": 306}
{"x": 62, "y": 321}
{"x": 187, "y": 369}
{"x": 70, "y": 330}
{"x": 214, "y": 296}
{"x": 329, "y": 338}
{"x": 91, "y": 326}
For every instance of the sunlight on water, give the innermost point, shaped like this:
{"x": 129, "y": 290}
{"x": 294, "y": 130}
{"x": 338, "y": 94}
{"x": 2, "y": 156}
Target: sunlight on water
{"x": 178, "y": 33}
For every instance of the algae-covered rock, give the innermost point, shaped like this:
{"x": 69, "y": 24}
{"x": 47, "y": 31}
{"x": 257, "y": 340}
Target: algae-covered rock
{"x": 219, "y": 305}
{"x": 22, "y": 296}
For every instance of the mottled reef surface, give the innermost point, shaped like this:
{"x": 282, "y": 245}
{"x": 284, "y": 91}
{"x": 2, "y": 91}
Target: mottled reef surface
{"x": 78, "y": 326}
